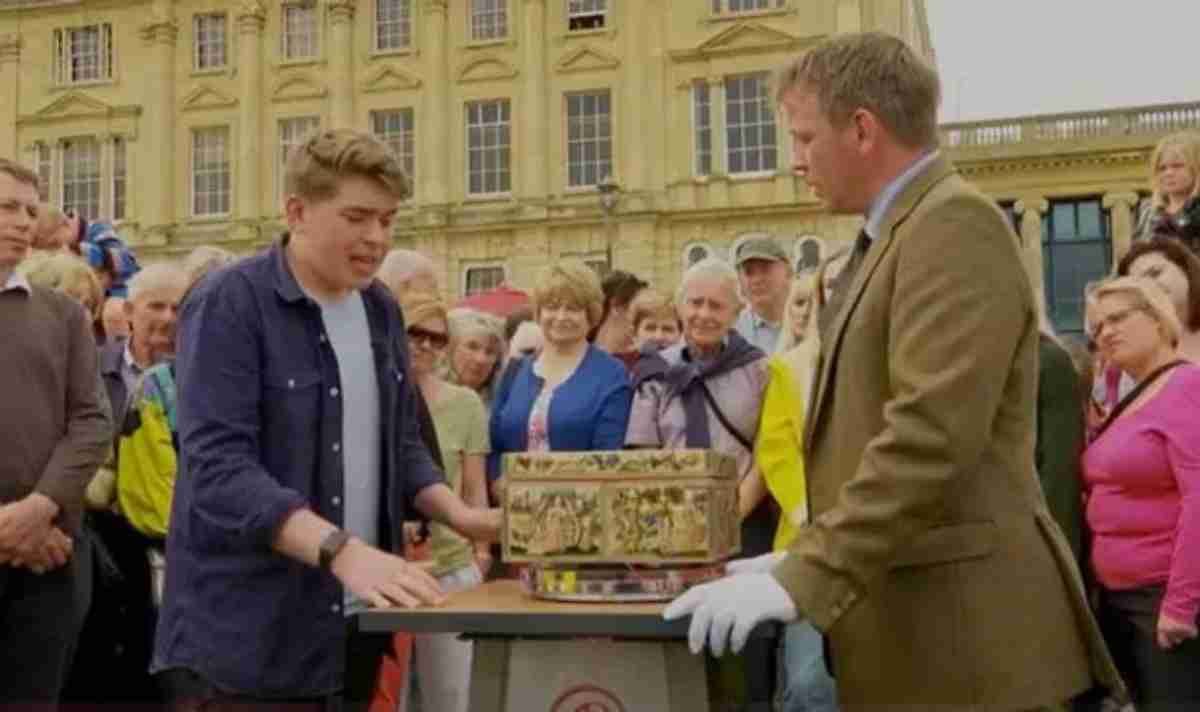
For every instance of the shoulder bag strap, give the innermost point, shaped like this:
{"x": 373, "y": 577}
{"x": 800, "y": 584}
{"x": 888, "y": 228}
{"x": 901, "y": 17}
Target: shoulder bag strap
{"x": 712, "y": 403}
{"x": 1131, "y": 396}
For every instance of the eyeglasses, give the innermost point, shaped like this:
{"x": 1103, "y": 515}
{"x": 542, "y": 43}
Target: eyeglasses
{"x": 436, "y": 340}
{"x": 1115, "y": 319}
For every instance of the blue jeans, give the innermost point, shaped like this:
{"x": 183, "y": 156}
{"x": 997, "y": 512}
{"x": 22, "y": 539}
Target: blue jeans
{"x": 804, "y": 682}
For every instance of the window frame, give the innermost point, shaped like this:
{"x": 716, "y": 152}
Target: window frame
{"x": 1050, "y": 245}
{"x": 63, "y": 67}
{"x": 71, "y": 178}
{"x": 598, "y": 121}
{"x": 282, "y": 151}
{"x": 193, "y": 194}
{"x": 723, "y": 8}
{"x": 766, "y": 118}
{"x": 119, "y": 179}
{"x": 285, "y": 41}
{"x": 198, "y": 45}
{"x": 603, "y": 13}
{"x": 408, "y": 159}
{"x": 405, "y": 20}
{"x": 499, "y": 9}
{"x": 507, "y": 123}
{"x": 700, "y": 155}
{"x": 473, "y": 265}
{"x": 43, "y": 163}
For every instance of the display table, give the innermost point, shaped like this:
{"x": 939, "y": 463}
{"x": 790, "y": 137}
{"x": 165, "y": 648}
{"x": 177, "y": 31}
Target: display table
{"x": 535, "y": 656}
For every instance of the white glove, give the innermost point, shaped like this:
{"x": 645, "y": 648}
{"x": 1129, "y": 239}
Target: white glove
{"x": 757, "y": 565}
{"x": 729, "y": 609}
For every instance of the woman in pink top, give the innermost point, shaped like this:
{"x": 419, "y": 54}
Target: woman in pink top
{"x": 1142, "y": 482}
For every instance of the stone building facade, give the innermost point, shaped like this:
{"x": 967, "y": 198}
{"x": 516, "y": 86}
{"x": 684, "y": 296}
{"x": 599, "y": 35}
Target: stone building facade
{"x": 173, "y": 117}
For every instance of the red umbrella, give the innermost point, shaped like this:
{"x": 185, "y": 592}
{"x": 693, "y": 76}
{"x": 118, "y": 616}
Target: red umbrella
{"x": 501, "y": 301}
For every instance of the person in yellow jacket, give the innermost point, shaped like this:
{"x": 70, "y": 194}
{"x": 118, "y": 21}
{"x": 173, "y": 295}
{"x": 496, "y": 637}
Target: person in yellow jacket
{"x": 803, "y": 681}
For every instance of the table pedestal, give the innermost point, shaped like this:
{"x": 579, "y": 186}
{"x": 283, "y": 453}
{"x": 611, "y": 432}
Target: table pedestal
{"x": 582, "y": 675}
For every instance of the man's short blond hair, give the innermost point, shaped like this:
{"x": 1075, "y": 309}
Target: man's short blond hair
{"x": 19, "y": 172}
{"x": 872, "y": 71}
{"x": 317, "y": 167}
{"x": 573, "y": 282}
{"x": 1145, "y": 294}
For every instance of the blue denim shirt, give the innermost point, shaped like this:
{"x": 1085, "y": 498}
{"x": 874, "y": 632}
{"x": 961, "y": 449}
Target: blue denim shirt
{"x": 260, "y": 420}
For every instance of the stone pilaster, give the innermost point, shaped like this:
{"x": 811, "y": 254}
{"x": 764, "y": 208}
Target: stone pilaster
{"x": 160, "y": 35}
{"x": 1121, "y": 207}
{"x": 630, "y": 153}
{"x": 434, "y": 161}
{"x": 10, "y": 66}
{"x": 534, "y": 162}
{"x": 251, "y": 19}
{"x": 341, "y": 63}
{"x": 1031, "y": 211}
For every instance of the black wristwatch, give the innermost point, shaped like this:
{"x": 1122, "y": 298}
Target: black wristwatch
{"x": 331, "y": 545}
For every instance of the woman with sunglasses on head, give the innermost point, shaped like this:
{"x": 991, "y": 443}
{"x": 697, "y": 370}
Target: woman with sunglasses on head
{"x": 443, "y": 662}
{"x": 1142, "y": 485}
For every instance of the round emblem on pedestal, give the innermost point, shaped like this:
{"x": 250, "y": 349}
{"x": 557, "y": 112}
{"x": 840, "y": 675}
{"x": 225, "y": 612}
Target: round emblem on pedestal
{"x": 587, "y": 698}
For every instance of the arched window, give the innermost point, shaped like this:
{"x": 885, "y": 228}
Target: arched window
{"x": 695, "y": 252}
{"x": 808, "y": 252}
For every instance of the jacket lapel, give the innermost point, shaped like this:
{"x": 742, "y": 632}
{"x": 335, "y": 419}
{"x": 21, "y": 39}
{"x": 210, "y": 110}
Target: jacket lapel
{"x": 901, "y": 208}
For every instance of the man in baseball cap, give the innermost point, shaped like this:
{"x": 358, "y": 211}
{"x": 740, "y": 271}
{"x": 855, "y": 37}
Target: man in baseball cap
{"x": 766, "y": 274}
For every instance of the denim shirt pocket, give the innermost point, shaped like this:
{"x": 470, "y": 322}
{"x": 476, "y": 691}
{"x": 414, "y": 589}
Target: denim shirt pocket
{"x": 291, "y": 405}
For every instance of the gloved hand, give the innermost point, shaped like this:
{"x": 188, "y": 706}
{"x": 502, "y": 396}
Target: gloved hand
{"x": 756, "y": 565}
{"x": 728, "y": 609}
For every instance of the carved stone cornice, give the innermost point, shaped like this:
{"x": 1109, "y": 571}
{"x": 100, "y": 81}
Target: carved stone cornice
{"x": 341, "y": 10}
{"x": 160, "y": 31}
{"x": 251, "y": 16}
{"x": 1023, "y": 164}
{"x": 1128, "y": 199}
{"x": 10, "y": 47}
{"x": 1038, "y": 206}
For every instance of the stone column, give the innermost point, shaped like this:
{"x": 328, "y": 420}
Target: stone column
{"x": 341, "y": 64}
{"x": 1121, "y": 207}
{"x": 251, "y": 18}
{"x": 437, "y": 118}
{"x": 158, "y": 122}
{"x": 718, "y": 185}
{"x": 849, "y": 16}
{"x": 535, "y": 105}
{"x": 1031, "y": 211}
{"x": 10, "y": 66}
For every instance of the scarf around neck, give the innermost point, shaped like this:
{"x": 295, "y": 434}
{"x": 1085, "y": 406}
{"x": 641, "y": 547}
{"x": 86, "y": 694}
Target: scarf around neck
{"x": 686, "y": 380}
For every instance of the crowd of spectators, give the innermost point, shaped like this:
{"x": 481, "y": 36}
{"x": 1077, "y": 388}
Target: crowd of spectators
{"x": 724, "y": 360}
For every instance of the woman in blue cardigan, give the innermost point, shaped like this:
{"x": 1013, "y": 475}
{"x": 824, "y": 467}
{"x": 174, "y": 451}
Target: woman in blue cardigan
{"x": 571, "y": 396}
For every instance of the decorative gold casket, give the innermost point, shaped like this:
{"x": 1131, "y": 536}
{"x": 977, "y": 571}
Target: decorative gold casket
{"x": 594, "y": 524}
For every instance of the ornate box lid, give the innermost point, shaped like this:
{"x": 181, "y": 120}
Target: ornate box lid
{"x": 619, "y": 465}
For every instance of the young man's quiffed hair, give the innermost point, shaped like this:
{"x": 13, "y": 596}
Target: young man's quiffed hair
{"x": 18, "y": 172}
{"x": 872, "y": 71}
{"x": 315, "y": 168}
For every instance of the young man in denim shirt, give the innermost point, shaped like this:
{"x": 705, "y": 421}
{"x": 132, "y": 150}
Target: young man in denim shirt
{"x": 300, "y": 453}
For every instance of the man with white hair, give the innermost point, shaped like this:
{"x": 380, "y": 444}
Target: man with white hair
{"x": 151, "y": 309}
{"x": 406, "y": 271}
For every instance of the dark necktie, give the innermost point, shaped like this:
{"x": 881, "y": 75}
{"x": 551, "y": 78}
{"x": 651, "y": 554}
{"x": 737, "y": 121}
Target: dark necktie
{"x": 841, "y": 284}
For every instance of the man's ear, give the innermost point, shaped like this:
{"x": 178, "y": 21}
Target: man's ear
{"x": 295, "y": 211}
{"x": 867, "y": 130}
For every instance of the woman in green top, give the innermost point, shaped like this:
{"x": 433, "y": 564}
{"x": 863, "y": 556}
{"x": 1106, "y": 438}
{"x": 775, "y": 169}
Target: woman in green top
{"x": 443, "y": 662}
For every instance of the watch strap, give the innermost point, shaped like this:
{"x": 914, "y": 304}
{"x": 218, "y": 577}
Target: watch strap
{"x": 331, "y": 545}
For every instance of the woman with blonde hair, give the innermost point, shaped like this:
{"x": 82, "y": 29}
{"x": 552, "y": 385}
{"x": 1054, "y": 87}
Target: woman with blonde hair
{"x": 69, "y": 274}
{"x": 1174, "y": 209}
{"x": 1141, "y": 475}
{"x": 803, "y": 681}
{"x": 571, "y": 395}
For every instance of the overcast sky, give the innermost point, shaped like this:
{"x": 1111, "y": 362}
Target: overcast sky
{"x": 1001, "y": 58}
